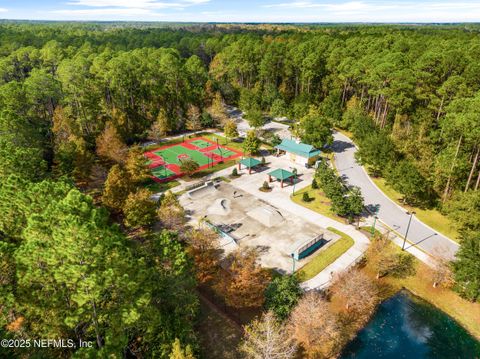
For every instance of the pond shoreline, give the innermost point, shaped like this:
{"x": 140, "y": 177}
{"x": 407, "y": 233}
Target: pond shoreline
{"x": 400, "y": 315}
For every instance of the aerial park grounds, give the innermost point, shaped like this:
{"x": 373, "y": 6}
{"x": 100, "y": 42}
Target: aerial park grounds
{"x": 165, "y": 161}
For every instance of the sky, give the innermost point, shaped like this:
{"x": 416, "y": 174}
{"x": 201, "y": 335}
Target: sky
{"x": 422, "y": 11}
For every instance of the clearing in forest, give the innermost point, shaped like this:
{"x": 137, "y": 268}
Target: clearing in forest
{"x": 165, "y": 161}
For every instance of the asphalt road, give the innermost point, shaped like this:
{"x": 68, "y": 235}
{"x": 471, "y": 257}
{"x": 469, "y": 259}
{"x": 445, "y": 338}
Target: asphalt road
{"x": 419, "y": 234}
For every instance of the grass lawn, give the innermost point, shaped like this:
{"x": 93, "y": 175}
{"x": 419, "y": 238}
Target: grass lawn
{"x": 431, "y": 217}
{"x": 161, "y": 187}
{"x": 464, "y": 312}
{"x": 326, "y": 257}
{"x": 319, "y": 202}
{"x": 207, "y": 171}
{"x": 223, "y": 141}
{"x": 368, "y": 229}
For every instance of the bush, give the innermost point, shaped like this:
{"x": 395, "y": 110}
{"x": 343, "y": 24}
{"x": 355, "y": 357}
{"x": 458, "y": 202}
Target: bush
{"x": 314, "y": 184}
{"x": 234, "y": 172}
{"x": 305, "y": 197}
{"x": 265, "y": 186}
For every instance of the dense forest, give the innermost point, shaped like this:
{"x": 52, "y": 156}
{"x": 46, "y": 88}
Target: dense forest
{"x": 76, "y": 98}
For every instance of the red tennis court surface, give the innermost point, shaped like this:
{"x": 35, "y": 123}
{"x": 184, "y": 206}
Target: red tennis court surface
{"x": 165, "y": 161}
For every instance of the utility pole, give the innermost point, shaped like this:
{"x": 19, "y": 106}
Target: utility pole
{"x": 408, "y": 227}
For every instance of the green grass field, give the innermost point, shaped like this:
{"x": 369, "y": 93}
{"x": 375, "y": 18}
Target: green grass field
{"x": 326, "y": 257}
{"x": 319, "y": 202}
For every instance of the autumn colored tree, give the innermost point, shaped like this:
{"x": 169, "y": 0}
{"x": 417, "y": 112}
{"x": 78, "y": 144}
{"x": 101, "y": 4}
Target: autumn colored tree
{"x": 178, "y": 352}
{"x": 266, "y": 338}
{"x": 160, "y": 127}
{"x": 442, "y": 274}
{"x": 230, "y": 129}
{"x": 193, "y": 119}
{"x": 136, "y": 165}
{"x": 314, "y": 326}
{"x": 217, "y": 109}
{"x": 117, "y": 188}
{"x": 357, "y": 291}
{"x": 203, "y": 246}
{"x": 110, "y": 145}
{"x": 170, "y": 212}
{"x": 139, "y": 209}
{"x": 245, "y": 281}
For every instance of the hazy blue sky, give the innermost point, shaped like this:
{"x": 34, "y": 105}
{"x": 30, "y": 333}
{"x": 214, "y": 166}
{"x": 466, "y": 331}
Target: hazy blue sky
{"x": 245, "y": 11}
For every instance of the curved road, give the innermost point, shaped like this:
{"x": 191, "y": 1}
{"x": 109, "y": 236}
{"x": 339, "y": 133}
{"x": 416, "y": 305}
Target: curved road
{"x": 419, "y": 234}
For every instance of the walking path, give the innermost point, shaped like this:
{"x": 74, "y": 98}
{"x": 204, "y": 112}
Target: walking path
{"x": 280, "y": 198}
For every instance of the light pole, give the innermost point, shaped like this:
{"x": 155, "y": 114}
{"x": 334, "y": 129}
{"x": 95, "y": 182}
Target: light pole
{"x": 408, "y": 227}
{"x": 293, "y": 263}
{"x": 374, "y": 222}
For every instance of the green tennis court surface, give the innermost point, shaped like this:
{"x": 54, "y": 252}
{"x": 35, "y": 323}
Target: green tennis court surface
{"x": 201, "y": 143}
{"x": 223, "y": 152}
{"x": 171, "y": 155}
{"x": 162, "y": 172}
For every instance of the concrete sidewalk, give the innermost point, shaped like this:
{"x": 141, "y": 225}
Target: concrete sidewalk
{"x": 280, "y": 198}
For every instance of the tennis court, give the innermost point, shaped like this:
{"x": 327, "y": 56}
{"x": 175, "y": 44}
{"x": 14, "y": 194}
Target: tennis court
{"x": 178, "y": 153}
{"x": 165, "y": 161}
{"x": 201, "y": 143}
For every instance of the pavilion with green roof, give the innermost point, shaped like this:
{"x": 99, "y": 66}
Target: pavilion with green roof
{"x": 281, "y": 175}
{"x": 298, "y": 152}
{"x": 248, "y": 163}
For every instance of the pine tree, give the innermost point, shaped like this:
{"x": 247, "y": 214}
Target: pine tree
{"x": 466, "y": 267}
{"x": 139, "y": 209}
{"x": 110, "y": 145}
{"x": 136, "y": 165}
{"x": 117, "y": 188}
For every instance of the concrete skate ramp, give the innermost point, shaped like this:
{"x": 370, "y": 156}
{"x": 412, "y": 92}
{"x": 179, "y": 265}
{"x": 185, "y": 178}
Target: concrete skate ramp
{"x": 266, "y": 215}
{"x": 220, "y": 207}
{"x": 199, "y": 192}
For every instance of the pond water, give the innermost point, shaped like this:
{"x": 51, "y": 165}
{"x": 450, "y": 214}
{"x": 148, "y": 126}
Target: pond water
{"x": 408, "y": 327}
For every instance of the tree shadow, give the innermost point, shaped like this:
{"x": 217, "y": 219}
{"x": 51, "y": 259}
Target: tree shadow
{"x": 340, "y": 146}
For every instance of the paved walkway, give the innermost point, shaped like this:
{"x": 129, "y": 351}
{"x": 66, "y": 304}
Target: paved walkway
{"x": 394, "y": 216}
{"x": 280, "y": 198}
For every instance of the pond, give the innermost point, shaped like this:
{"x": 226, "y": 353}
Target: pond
{"x": 406, "y": 326}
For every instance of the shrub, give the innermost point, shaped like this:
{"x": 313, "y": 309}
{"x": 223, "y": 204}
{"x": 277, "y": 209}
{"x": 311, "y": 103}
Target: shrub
{"x": 305, "y": 197}
{"x": 265, "y": 186}
{"x": 314, "y": 184}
